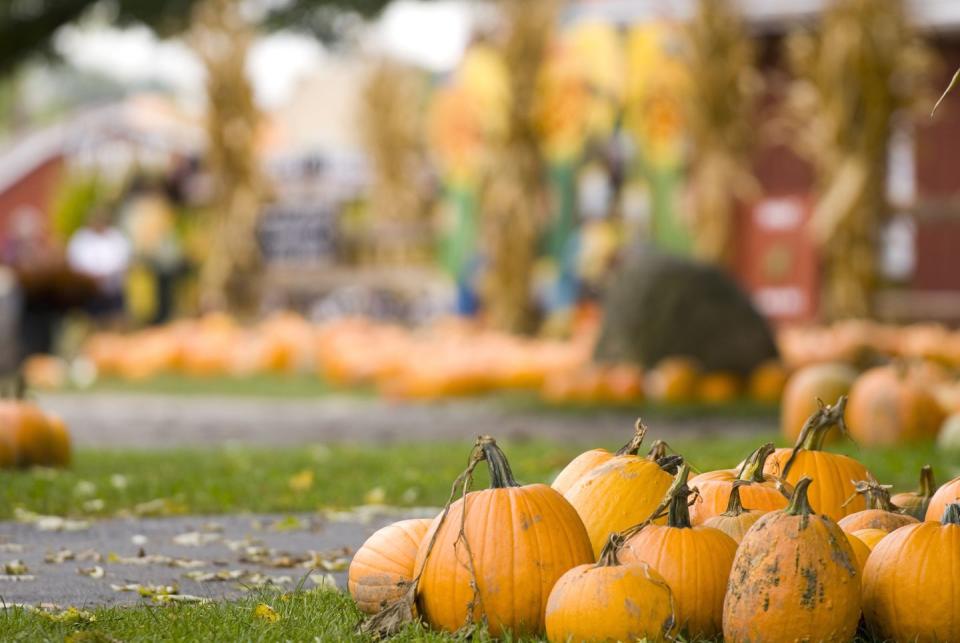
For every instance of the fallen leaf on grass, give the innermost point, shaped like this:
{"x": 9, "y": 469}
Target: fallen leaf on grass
{"x": 257, "y": 580}
{"x": 208, "y": 577}
{"x": 162, "y": 599}
{"x": 302, "y": 481}
{"x": 59, "y": 556}
{"x": 49, "y": 523}
{"x": 146, "y": 590}
{"x": 70, "y": 616}
{"x": 93, "y": 572}
{"x": 89, "y": 555}
{"x": 265, "y": 613}
{"x": 15, "y": 568}
{"x": 159, "y": 507}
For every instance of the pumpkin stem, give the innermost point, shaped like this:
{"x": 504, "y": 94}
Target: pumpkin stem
{"x": 679, "y": 511}
{"x": 927, "y": 485}
{"x": 666, "y": 461}
{"x": 816, "y": 427}
{"x": 633, "y": 446}
{"x": 608, "y": 555}
{"x": 951, "y": 515}
{"x": 500, "y": 474}
{"x": 735, "y": 505}
{"x": 752, "y": 469}
{"x": 877, "y": 495}
{"x": 799, "y": 503}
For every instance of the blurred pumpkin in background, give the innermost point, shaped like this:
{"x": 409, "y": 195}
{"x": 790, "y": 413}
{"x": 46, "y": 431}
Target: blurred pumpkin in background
{"x": 825, "y": 382}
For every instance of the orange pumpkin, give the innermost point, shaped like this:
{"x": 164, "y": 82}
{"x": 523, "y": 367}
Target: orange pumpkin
{"x": 735, "y": 521}
{"x": 8, "y": 454}
{"x": 945, "y": 495}
{"x": 889, "y": 406}
{"x": 718, "y": 388}
{"x": 832, "y": 492}
{"x": 766, "y": 382}
{"x": 59, "y": 451}
{"x": 521, "y": 541}
{"x": 762, "y": 494}
{"x": 915, "y": 503}
{"x": 622, "y": 384}
{"x": 794, "y": 578}
{"x": 610, "y": 601}
{"x": 27, "y": 427}
{"x": 860, "y": 551}
{"x": 910, "y": 583}
{"x": 695, "y": 562}
{"x": 805, "y": 387}
{"x": 383, "y": 566}
{"x": 870, "y": 537}
{"x": 590, "y": 460}
{"x": 673, "y": 380}
{"x": 880, "y": 512}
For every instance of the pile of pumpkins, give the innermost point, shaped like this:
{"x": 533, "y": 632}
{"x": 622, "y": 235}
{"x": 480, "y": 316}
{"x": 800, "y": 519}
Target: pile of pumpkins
{"x": 791, "y": 544}
{"x": 31, "y": 437}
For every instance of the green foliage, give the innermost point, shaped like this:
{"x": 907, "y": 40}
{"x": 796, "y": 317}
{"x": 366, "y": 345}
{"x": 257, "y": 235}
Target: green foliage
{"x": 76, "y": 196}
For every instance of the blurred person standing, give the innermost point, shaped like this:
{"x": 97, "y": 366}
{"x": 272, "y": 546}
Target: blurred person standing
{"x": 100, "y": 251}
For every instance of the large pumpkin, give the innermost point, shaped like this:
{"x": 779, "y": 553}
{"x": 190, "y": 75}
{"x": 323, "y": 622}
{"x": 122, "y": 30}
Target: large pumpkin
{"x": 384, "y": 564}
{"x": 695, "y": 562}
{"x": 889, "y": 406}
{"x": 945, "y": 495}
{"x": 517, "y": 541}
{"x": 735, "y": 521}
{"x": 805, "y": 387}
{"x": 610, "y": 601}
{"x": 880, "y": 512}
{"x": 871, "y": 537}
{"x": 616, "y": 495}
{"x": 762, "y": 494}
{"x": 915, "y": 503}
{"x": 832, "y": 492}
{"x": 794, "y": 578}
{"x": 590, "y": 460}
{"x": 911, "y": 586}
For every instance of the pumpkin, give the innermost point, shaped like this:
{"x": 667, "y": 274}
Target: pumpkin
{"x": 695, "y": 562}
{"x": 915, "y": 503}
{"x": 762, "y": 494}
{"x": 384, "y": 564}
{"x": 945, "y": 495}
{"x": 718, "y": 388}
{"x": 735, "y": 521}
{"x": 590, "y": 460}
{"x": 28, "y": 429}
{"x": 617, "y": 495}
{"x": 860, "y": 551}
{"x": 622, "y": 384}
{"x": 520, "y": 539}
{"x": 794, "y": 578}
{"x": 805, "y": 387}
{"x": 766, "y": 382}
{"x": 59, "y": 446}
{"x": 8, "y": 454}
{"x": 674, "y": 379}
{"x": 610, "y": 601}
{"x": 870, "y": 537}
{"x": 880, "y": 512}
{"x": 910, "y": 583}
{"x": 889, "y": 406}
{"x": 949, "y": 437}
{"x": 832, "y": 492}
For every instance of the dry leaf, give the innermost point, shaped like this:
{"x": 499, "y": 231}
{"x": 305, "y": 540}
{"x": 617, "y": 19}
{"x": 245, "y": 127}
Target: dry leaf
{"x": 302, "y": 481}
{"x": 265, "y": 613}
{"x": 196, "y": 539}
{"x": 93, "y": 572}
{"x": 15, "y": 568}
{"x": 60, "y": 556}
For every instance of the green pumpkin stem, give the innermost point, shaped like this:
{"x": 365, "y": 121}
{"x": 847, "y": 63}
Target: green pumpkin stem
{"x": 735, "y": 504}
{"x": 501, "y": 476}
{"x": 633, "y": 446}
{"x": 608, "y": 555}
{"x": 752, "y": 469}
{"x": 816, "y": 427}
{"x": 951, "y": 515}
{"x": 679, "y": 511}
{"x": 799, "y": 503}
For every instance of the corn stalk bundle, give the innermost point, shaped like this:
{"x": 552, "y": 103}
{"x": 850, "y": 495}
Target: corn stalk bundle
{"x": 221, "y": 37}
{"x": 720, "y": 119}
{"x": 864, "y": 67}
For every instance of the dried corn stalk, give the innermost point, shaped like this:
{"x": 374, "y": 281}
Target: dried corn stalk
{"x": 864, "y": 67}
{"x": 230, "y": 275}
{"x": 720, "y": 118}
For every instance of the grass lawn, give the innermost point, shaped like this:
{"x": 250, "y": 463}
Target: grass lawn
{"x": 244, "y": 479}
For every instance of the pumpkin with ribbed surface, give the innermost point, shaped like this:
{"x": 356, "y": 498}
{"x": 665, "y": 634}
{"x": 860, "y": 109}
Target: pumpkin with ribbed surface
{"x": 762, "y": 494}
{"x": 610, "y": 601}
{"x": 819, "y": 381}
{"x": 911, "y": 583}
{"x": 736, "y": 520}
{"x": 888, "y": 405}
{"x": 860, "y": 550}
{"x": 870, "y": 537}
{"x": 794, "y": 578}
{"x": 832, "y": 492}
{"x": 695, "y": 562}
{"x": 880, "y": 512}
{"x": 590, "y": 460}
{"x": 522, "y": 539}
{"x": 29, "y": 431}
{"x": 945, "y": 495}
{"x": 384, "y": 563}
{"x": 915, "y": 503}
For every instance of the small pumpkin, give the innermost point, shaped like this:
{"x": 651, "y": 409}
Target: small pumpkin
{"x": 820, "y": 381}
{"x": 762, "y": 494}
{"x": 590, "y": 460}
{"x": 521, "y": 540}
{"x": 767, "y": 382}
{"x": 870, "y": 537}
{"x": 794, "y": 578}
{"x": 832, "y": 492}
{"x": 695, "y": 562}
{"x": 880, "y": 512}
{"x": 384, "y": 563}
{"x": 718, "y": 388}
{"x": 673, "y": 380}
{"x": 889, "y": 406}
{"x": 27, "y": 428}
{"x": 610, "y": 601}
{"x": 909, "y": 591}
{"x": 915, "y": 503}
{"x": 735, "y": 521}
{"x": 945, "y": 495}
{"x": 860, "y": 551}
{"x": 617, "y": 495}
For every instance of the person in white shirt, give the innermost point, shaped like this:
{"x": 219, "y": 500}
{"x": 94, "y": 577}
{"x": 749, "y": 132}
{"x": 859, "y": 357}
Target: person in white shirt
{"x": 102, "y": 252}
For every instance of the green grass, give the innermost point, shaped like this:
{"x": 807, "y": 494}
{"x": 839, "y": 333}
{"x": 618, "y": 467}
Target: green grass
{"x": 279, "y": 386}
{"x": 245, "y": 479}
